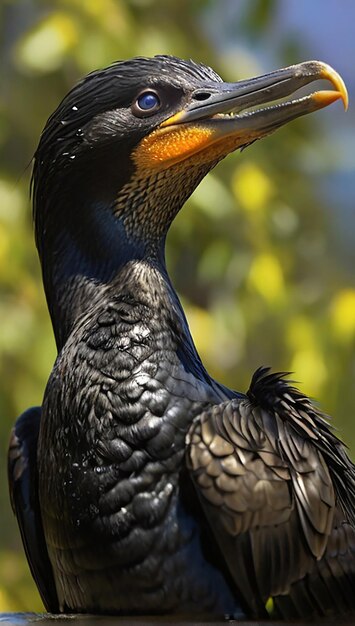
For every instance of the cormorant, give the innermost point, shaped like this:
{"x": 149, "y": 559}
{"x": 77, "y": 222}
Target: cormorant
{"x": 142, "y": 485}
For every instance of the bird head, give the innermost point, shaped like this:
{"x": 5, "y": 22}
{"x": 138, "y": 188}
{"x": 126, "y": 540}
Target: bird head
{"x": 129, "y": 144}
{"x": 138, "y": 136}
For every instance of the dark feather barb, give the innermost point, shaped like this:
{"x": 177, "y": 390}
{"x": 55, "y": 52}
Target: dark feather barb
{"x": 271, "y": 391}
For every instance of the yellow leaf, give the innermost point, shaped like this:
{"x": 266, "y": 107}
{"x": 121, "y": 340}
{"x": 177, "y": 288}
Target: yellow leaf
{"x": 202, "y": 328}
{"x": 266, "y": 277}
{"x": 5, "y": 601}
{"x": 300, "y": 333}
{"x": 43, "y": 48}
{"x": 112, "y": 15}
{"x": 343, "y": 314}
{"x": 309, "y": 370}
{"x": 270, "y": 605}
{"x": 252, "y": 188}
{"x": 4, "y": 244}
{"x": 11, "y": 201}
{"x": 212, "y": 197}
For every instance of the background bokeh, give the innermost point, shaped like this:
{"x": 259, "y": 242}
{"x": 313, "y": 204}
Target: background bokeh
{"x": 263, "y": 254}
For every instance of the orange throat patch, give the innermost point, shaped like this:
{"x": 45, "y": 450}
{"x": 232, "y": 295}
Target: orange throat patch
{"x": 196, "y": 143}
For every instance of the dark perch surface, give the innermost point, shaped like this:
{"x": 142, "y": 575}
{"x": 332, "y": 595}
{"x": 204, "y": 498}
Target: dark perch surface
{"x": 19, "y": 619}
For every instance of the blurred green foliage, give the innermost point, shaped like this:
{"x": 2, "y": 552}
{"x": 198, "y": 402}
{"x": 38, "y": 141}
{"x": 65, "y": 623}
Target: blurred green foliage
{"x": 250, "y": 254}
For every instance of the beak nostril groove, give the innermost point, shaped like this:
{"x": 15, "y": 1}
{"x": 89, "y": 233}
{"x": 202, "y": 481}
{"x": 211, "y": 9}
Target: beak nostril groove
{"x": 201, "y": 95}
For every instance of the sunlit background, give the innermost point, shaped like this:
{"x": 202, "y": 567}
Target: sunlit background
{"x": 263, "y": 254}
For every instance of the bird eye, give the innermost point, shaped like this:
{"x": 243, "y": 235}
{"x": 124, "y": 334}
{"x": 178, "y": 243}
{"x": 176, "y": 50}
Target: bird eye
{"x": 147, "y": 103}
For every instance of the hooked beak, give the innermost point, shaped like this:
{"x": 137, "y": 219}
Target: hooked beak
{"x": 237, "y": 97}
{"x": 221, "y": 117}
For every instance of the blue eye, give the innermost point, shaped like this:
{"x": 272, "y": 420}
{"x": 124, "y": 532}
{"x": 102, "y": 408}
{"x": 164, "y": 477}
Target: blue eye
{"x": 147, "y": 102}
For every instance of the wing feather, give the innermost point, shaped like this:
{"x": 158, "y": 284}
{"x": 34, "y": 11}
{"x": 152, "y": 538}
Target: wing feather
{"x": 22, "y": 473}
{"x": 268, "y": 471}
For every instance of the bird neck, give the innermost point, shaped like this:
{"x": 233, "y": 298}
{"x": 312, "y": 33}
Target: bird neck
{"x": 88, "y": 229}
{"x": 82, "y": 255}
{"x": 87, "y": 232}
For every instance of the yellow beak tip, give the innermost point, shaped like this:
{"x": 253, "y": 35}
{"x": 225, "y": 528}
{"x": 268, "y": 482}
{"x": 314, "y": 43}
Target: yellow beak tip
{"x": 330, "y": 74}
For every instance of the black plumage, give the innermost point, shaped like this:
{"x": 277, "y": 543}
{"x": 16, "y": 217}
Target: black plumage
{"x": 142, "y": 485}
{"x": 270, "y": 469}
{"x": 23, "y": 481}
